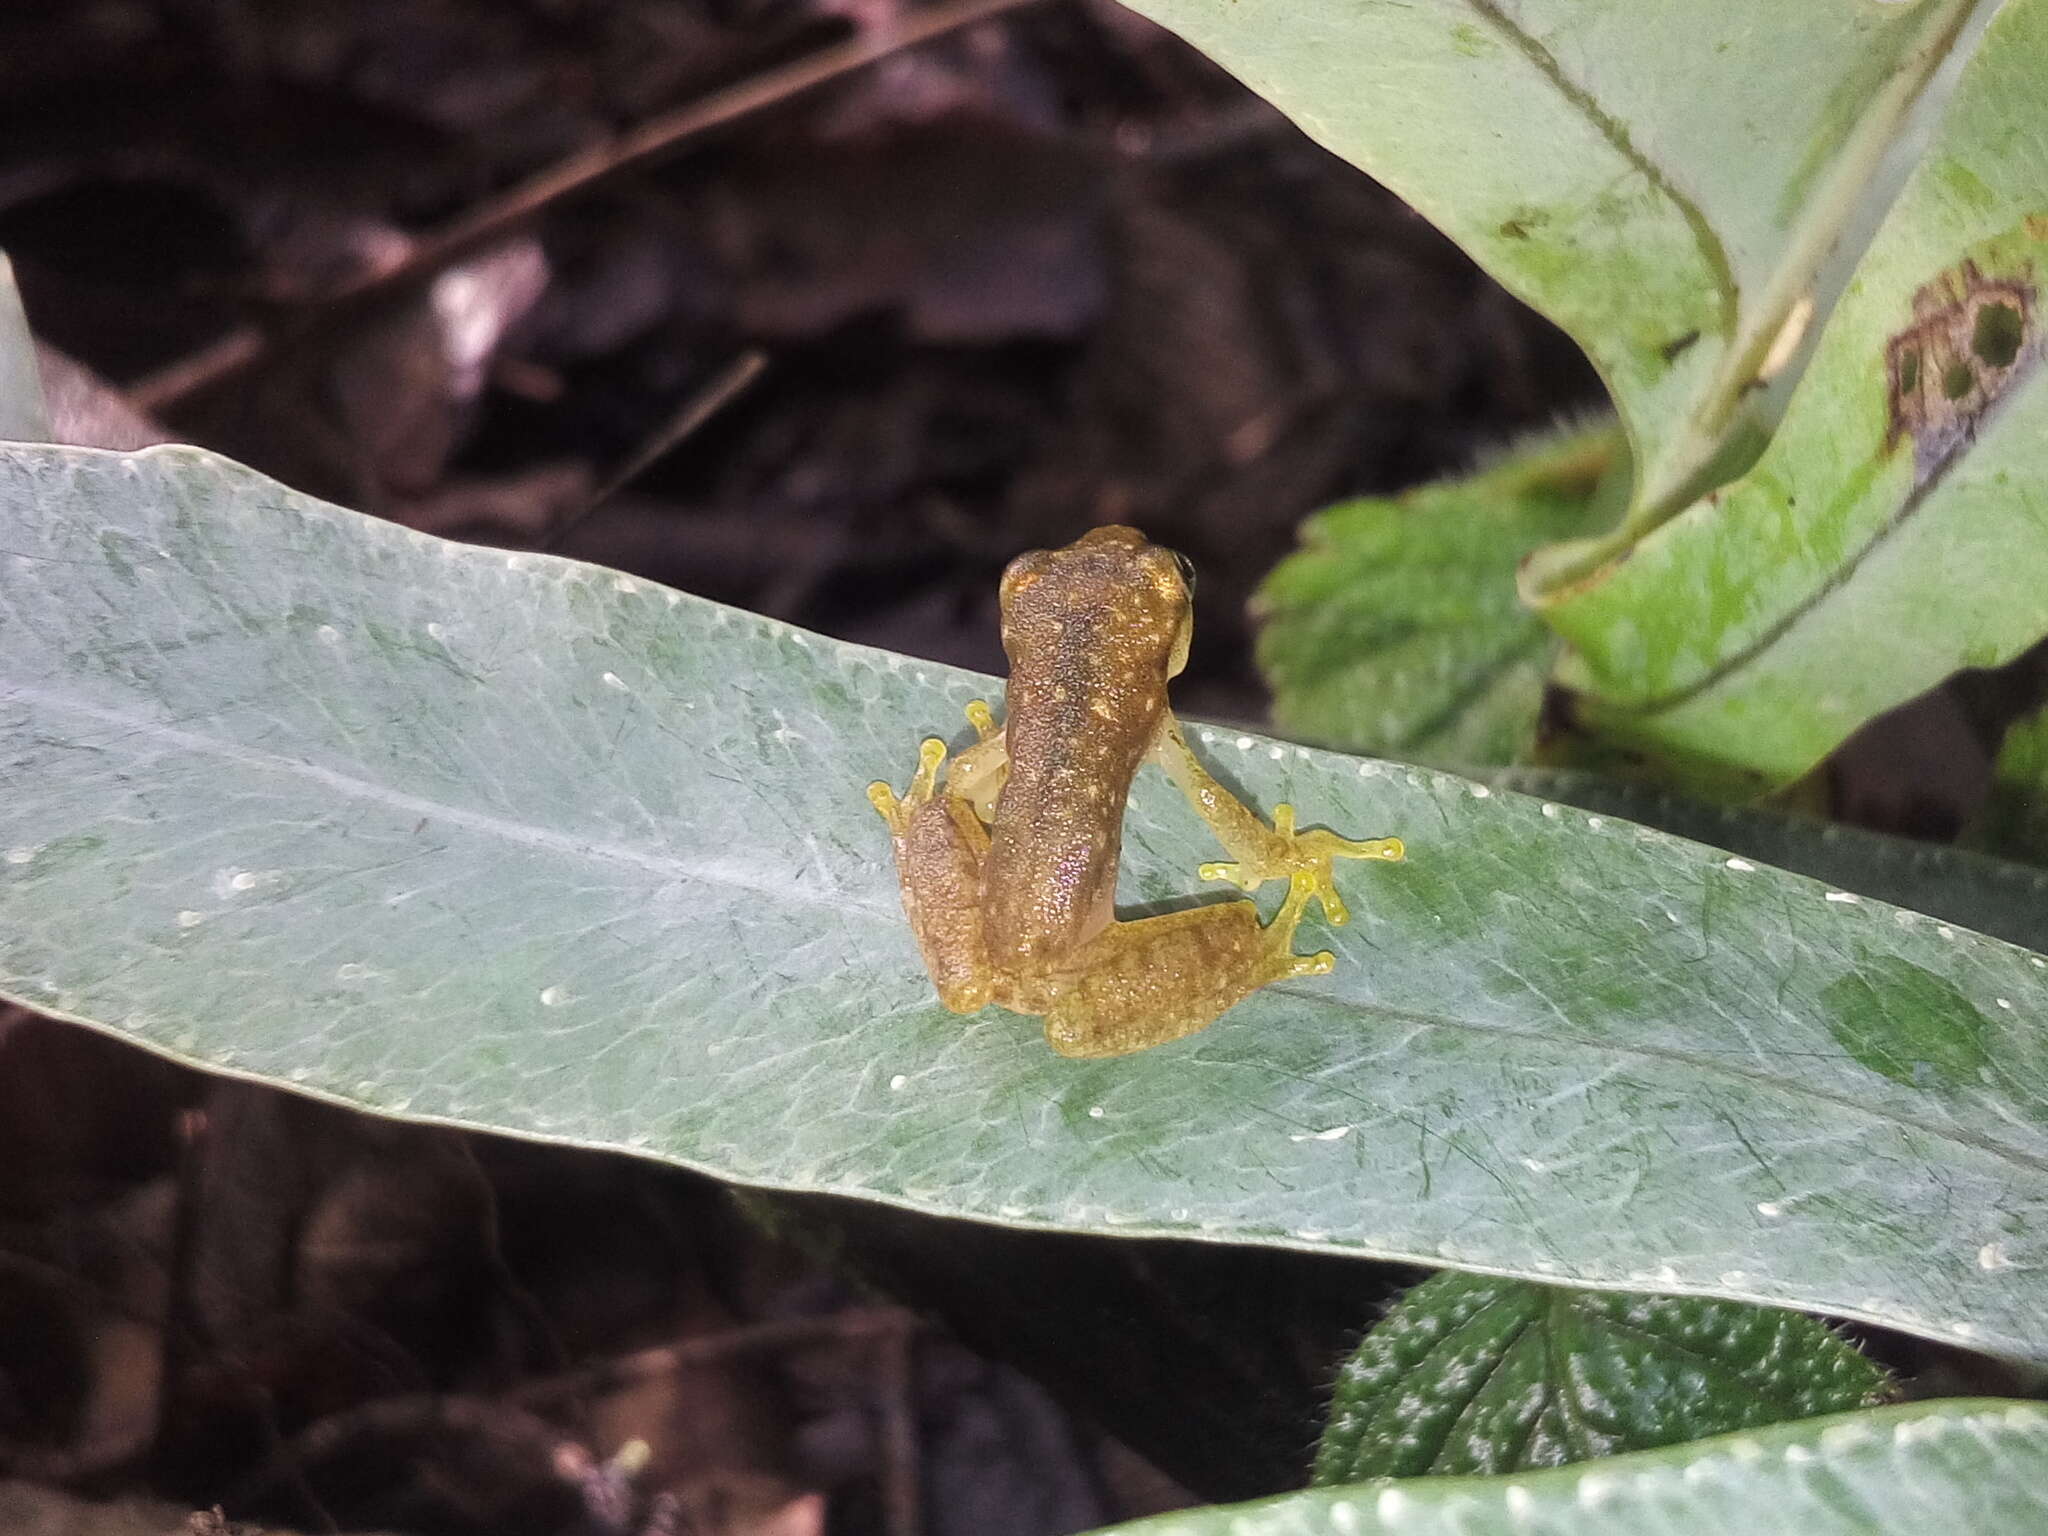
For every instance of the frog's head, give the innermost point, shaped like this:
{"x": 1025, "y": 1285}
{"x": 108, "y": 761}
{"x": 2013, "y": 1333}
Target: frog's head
{"x": 1114, "y": 585}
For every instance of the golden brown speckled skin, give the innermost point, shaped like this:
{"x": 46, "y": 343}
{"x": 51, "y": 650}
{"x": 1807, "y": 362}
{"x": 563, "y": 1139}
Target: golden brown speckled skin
{"x": 1092, "y": 631}
{"x": 1009, "y": 873}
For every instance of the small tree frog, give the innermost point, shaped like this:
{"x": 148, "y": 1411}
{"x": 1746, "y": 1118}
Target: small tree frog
{"x": 1009, "y": 870}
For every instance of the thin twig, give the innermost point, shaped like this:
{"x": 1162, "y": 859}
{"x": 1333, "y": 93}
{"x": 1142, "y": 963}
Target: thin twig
{"x": 727, "y": 385}
{"x": 902, "y": 1513}
{"x": 499, "y": 216}
{"x": 704, "y": 1349}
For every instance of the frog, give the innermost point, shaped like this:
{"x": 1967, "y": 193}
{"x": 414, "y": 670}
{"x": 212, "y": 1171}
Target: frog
{"x": 1008, "y": 864}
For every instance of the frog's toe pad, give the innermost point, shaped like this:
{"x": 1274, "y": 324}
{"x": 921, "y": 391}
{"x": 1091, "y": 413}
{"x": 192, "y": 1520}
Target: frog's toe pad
{"x": 1321, "y": 963}
{"x": 1234, "y": 873}
{"x": 897, "y": 810}
{"x": 883, "y": 798}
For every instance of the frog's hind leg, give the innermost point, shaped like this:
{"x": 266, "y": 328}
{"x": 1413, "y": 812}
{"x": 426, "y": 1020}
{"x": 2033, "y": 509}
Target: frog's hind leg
{"x": 1143, "y": 983}
{"x": 940, "y": 845}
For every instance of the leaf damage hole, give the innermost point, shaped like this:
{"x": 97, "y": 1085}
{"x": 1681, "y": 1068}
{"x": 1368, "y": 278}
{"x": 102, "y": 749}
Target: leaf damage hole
{"x": 1970, "y": 338}
{"x": 1997, "y": 335}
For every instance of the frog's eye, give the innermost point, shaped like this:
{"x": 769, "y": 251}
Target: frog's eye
{"x": 1187, "y": 569}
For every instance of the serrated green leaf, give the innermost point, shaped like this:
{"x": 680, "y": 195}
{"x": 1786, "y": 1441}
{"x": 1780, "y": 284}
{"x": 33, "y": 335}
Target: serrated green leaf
{"x": 1397, "y": 628}
{"x": 1962, "y": 1465}
{"x": 1894, "y": 531}
{"x": 22, "y": 416}
{"x": 1475, "y": 1374}
{"x": 509, "y": 841}
{"x": 1661, "y": 178}
{"x": 2014, "y": 819}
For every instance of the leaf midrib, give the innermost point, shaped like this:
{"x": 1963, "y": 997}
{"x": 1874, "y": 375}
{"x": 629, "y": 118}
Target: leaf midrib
{"x": 715, "y": 871}
{"x": 1845, "y": 571}
{"x": 1540, "y": 58}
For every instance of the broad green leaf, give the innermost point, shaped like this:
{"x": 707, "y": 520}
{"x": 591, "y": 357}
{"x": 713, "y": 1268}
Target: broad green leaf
{"x": 22, "y": 417}
{"x": 1472, "y": 1373}
{"x": 1959, "y": 885}
{"x": 1662, "y": 178}
{"x": 1893, "y": 533}
{"x": 508, "y": 841}
{"x": 2014, "y": 820}
{"x": 1397, "y": 628}
{"x": 1962, "y": 1465}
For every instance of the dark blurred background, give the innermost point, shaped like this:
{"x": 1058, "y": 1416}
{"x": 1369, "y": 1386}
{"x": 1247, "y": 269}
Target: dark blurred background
{"x": 835, "y": 358}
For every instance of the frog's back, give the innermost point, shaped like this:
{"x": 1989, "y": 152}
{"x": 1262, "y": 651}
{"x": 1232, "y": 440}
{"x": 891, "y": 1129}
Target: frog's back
{"x": 1093, "y": 632}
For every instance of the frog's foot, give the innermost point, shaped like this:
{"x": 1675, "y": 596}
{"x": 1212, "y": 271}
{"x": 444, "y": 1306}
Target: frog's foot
{"x": 983, "y": 719}
{"x": 898, "y": 812}
{"x": 1281, "y": 962}
{"x": 1289, "y": 854}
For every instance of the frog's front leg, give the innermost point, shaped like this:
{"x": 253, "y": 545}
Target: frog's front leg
{"x": 940, "y": 845}
{"x": 1260, "y": 853}
{"x": 1142, "y": 983}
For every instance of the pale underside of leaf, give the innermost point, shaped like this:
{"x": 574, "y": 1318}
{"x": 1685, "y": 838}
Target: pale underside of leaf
{"x": 1961, "y": 886}
{"x": 1962, "y": 1465}
{"x": 513, "y": 842}
{"x": 1662, "y": 179}
{"x": 1894, "y": 530}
